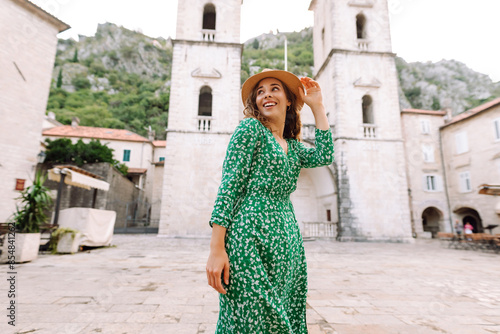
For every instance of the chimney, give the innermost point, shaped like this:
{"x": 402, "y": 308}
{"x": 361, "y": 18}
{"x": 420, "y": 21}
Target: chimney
{"x": 52, "y": 115}
{"x": 75, "y": 122}
{"x": 448, "y": 110}
{"x": 151, "y": 134}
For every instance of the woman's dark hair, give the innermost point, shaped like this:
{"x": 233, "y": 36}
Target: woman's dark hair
{"x": 293, "y": 124}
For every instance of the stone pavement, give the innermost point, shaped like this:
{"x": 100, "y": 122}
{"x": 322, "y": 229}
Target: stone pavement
{"x": 149, "y": 284}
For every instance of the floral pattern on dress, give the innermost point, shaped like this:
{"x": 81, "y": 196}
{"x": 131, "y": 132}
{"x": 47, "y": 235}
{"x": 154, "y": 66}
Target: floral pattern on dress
{"x": 268, "y": 273}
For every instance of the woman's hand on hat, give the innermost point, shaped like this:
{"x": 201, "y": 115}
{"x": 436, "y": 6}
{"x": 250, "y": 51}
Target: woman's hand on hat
{"x": 312, "y": 95}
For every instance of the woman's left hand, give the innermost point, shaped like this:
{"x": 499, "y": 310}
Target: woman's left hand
{"x": 312, "y": 96}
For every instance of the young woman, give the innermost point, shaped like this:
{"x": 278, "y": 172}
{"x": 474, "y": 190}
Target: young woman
{"x": 257, "y": 261}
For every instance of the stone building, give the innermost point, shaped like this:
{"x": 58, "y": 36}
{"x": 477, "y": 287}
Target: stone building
{"x": 448, "y": 159}
{"x": 388, "y": 181}
{"x": 28, "y": 36}
{"x": 354, "y": 63}
{"x": 425, "y": 170}
{"x": 471, "y": 152}
{"x": 205, "y": 109}
{"x": 144, "y": 158}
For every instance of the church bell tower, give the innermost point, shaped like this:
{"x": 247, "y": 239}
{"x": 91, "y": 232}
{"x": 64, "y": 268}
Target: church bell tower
{"x": 204, "y": 111}
{"x": 355, "y": 66}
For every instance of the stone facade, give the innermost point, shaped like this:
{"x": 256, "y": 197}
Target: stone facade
{"x": 206, "y": 58}
{"x": 355, "y": 66}
{"x": 122, "y": 193}
{"x": 471, "y": 151}
{"x": 28, "y": 36}
{"x": 426, "y": 181}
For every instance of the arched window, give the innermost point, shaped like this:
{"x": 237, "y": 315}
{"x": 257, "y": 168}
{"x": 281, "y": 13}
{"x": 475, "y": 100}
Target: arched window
{"x": 209, "y": 17}
{"x": 205, "y": 102}
{"x": 361, "y": 26}
{"x": 367, "y": 106}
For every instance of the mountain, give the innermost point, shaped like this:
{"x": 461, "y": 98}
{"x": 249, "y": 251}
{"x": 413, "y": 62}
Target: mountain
{"x": 118, "y": 78}
{"x": 121, "y": 78}
{"x": 444, "y": 84}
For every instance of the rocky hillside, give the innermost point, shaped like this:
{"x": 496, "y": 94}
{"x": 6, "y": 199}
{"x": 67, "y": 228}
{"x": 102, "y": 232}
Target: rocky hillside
{"x": 442, "y": 85}
{"x": 121, "y": 78}
{"x": 118, "y": 78}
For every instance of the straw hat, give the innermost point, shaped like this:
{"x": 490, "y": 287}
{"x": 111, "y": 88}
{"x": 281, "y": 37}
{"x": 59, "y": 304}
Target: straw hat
{"x": 290, "y": 80}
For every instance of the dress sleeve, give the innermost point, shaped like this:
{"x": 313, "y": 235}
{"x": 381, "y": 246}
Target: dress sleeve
{"x": 235, "y": 170}
{"x": 321, "y": 154}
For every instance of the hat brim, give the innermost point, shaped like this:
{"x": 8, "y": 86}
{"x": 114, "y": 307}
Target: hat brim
{"x": 290, "y": 80}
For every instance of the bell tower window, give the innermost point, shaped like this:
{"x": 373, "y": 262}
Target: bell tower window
{"x": 209, "y": 17}
{"x": 205, "y": 102}
{"x": 367, "y": 106}
{"x": 369, "y": 127}
{"x": 361, "y": 26}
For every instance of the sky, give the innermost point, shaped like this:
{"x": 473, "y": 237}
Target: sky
{"x": 421, "y": 30}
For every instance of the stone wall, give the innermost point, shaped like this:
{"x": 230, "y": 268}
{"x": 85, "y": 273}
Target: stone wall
{"x": 121, "y": 192}
{"x": 26, "y": 59}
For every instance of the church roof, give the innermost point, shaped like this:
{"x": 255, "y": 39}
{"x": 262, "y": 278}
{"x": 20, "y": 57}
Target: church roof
{"x": 93, "y": 133}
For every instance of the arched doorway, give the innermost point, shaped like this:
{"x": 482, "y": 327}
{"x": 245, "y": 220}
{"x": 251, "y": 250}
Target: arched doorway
{"x": 471, "y": 216}
{"x": 315, "y": 202}
{"x": 431, "y": 220}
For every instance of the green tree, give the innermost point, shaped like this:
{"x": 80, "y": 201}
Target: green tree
{"x": 59, "y": 79}
{"x": 63, "y": 151}
{"x": 255, "y": 44}
{"x": 80, "y": 82}
{"x": 75, "y": 56}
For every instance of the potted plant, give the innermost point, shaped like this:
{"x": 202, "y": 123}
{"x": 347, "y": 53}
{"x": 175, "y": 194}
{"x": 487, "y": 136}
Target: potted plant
{"x": 29, "y": 215}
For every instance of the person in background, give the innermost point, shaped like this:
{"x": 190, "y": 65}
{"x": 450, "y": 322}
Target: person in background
{"x": 458, "y": 228}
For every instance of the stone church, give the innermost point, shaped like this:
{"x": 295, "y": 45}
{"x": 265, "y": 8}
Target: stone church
{"x": 363, "y": 194}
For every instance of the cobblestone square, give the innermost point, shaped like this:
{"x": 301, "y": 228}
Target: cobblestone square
{"x": 147, "y": 284}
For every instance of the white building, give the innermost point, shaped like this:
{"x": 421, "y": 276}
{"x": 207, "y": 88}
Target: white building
{"x": 28, "y": 39}
{"x": 143, "y": 157}
{"x": 204, "y": 109}
{"x": 355, "y": 66}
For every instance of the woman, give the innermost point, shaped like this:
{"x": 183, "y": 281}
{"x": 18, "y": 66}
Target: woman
{"x": 257, "y": 261}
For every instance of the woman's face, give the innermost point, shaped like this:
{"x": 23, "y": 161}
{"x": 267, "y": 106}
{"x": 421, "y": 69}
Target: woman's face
{"x": 271, "y": 98}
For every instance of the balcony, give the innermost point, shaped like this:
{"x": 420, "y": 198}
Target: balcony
{"x": 369, "y": 130}
{"x": 309, "y": 132}
{"x": 363, "y": 44}
{"x": 208, "y": 35}
{"x": 204, "y": 123}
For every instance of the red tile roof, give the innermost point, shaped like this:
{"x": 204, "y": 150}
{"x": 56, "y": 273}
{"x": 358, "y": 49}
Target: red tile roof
{"x": 94, "y": 133}
{"x": 160, "y": 143}
{"x": 473, "y": 111}
{"x": 425, "y": 112}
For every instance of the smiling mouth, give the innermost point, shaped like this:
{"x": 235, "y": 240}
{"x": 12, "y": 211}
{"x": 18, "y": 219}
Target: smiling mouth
{"x": 269, "y": 104}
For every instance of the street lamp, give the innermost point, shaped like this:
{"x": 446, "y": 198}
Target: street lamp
{"x": 41, "y": 157}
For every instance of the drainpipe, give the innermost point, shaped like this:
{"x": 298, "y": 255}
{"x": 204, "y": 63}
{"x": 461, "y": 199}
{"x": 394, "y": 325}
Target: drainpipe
{"x": 445, "y": 182}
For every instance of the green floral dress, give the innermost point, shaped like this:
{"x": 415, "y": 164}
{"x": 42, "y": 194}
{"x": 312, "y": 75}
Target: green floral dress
{"x": 268, "y": 274}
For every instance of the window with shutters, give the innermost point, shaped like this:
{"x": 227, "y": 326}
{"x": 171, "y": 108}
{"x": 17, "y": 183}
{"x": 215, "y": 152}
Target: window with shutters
{"x": 462, "y": 144}
{"x": 428, "y": 151}
{"x": 465, "y": 184}
{"x": 432, "y": 183}
{"x": 425, "y": 126}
